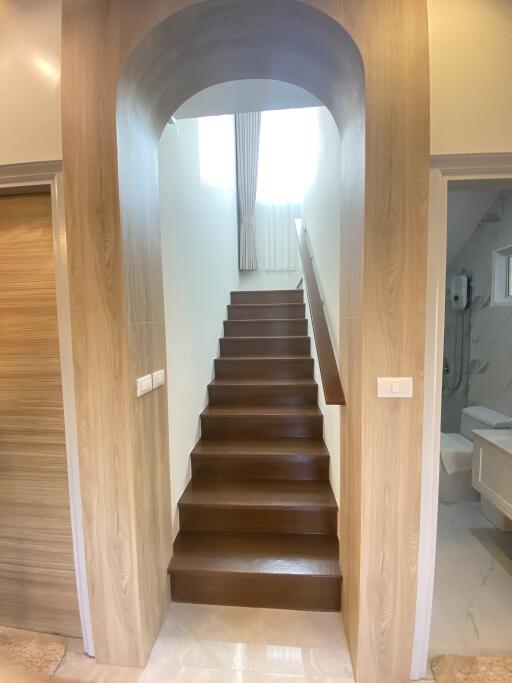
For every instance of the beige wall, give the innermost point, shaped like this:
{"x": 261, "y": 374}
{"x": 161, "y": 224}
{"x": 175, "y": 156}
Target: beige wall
{"x": 471, "y": 88}
{"x": 30, "y": 80}
{"x": 470, "y": 58}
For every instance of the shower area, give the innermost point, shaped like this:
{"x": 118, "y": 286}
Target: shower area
{"x": 468, "y": 292}
{"x": 472, "y": 607}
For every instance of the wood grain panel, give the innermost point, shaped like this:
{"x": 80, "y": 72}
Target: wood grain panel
{"x": 37, "y": 576}
{"x": 393, "y": 329}
{"x": 152, "y": 56}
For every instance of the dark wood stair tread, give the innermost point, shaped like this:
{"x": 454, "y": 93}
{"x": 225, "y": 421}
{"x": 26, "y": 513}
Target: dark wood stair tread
{"x": 277, "y": 359}
{"x": 265, "y": 338}
{"x": 315, "y": 554}
{"x": 270, "y": 411}
{"x": 270, "y": 381}
{"x": 268, "y": 305}
{"x": 285, "y": 446}
{"x": 256, "y": 494}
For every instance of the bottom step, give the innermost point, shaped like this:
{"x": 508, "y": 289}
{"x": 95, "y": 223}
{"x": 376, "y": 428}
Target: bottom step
{"x": 286, "y": 571}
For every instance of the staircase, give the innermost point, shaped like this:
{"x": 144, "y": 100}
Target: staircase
{"x": 258, "y": 520}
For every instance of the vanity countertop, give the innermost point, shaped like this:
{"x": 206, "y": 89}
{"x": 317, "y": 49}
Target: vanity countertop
{"x": 501, "y": 438}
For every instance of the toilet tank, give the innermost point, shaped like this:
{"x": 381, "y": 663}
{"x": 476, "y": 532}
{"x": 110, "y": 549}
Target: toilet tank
{"x": 480, "y": 417}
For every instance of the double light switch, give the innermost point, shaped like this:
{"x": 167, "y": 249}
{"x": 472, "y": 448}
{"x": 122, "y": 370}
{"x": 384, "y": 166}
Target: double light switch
{"x": 149, "y": 382}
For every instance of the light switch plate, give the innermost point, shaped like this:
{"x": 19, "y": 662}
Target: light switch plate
{"x": 144, "y": 384}
{"x": 158, "y": 378}
{"x": 394, "y": 387}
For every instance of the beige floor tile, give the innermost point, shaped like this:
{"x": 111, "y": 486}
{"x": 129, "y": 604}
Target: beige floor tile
{"x": 288, "y": 678}
{"x": 297, "y": 628}
{"x": 85, "y": 669}
{"x": 211, "y": 622}
{"x": 172, "y": 672}
{"x": 212, "y": 654}
{"x": 286, "y": 659}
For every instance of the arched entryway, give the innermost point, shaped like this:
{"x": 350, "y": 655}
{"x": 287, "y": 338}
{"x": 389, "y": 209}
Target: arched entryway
{"x": 126, "y": 68}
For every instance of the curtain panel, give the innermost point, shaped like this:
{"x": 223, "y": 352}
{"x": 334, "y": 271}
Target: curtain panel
{"x": 247, "y": 135}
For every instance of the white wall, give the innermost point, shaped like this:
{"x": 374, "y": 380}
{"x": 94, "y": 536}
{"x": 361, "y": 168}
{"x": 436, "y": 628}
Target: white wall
{"x": 199, "y": 252}
{"x": 30, "y": 80}
{"x": 253, "y": 94}
{"x": 322, "y": 212}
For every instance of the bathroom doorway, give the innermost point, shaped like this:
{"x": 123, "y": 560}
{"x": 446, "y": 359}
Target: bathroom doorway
{"x": 465, "y": 565}
{"x": 472, "y": 606}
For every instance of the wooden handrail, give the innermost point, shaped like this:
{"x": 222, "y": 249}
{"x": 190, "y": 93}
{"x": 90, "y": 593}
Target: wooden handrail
{"x": 331, "y": 382}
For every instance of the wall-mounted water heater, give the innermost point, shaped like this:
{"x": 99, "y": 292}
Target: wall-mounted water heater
{"x": 459, "y": 292}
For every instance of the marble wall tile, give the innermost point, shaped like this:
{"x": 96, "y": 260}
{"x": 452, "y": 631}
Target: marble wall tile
{"x": 487, "y": 341}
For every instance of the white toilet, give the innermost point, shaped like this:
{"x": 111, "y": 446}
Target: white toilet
{"x": 457, "y": 453}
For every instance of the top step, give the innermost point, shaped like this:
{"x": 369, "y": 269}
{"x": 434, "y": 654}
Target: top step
{"x": 269, "y": 296}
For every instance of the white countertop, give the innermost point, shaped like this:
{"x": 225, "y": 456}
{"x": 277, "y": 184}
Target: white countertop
{"x": 501, "y": 438}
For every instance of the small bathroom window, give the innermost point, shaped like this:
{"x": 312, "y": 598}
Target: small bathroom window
{"x": 502, "y": 277}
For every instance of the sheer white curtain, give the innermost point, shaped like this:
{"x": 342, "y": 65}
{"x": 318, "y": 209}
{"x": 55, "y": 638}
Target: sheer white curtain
{"x": 286, "y": 168}
{"x": 247, "y": 132}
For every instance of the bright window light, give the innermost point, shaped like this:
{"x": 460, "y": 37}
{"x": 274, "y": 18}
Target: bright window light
{"x": 216, "y": 151}
{"x": 287, "y": 155}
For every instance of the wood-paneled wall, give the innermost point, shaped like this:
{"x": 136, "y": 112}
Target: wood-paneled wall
{"x": 126, "y": 67}
{"x": 37, "y": 573}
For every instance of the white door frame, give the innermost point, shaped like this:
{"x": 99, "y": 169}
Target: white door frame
{"x": 444, "y": 170}
{"x": 22, "y": 177}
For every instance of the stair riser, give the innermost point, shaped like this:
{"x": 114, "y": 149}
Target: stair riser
{"x": 248, "y": 312}
{"x": 263, "y": 395}
{"x": 265, "y": 328}
{"x": 265, "y": 347}
{"x": 296, "y": 368}
{"x": 258, "y": 590}
{"x": 294, "y": 296}
{"x": 276, "y": 520}
{"x": 253, "y": 467}
{"x": 261, "y": 426}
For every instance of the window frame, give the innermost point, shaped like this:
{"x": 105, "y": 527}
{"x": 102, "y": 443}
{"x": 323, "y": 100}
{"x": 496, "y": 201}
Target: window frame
{"x": 502, "y": 276}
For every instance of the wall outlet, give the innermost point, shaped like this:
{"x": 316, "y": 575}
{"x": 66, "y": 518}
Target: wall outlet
{"x": 158, "y": 378}
{"x": 394, "y": 387}
{"x": 144, "y": 384}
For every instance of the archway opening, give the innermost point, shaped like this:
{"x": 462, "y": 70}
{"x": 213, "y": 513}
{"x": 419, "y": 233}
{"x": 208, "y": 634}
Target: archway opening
{"x": 195, "y": 48}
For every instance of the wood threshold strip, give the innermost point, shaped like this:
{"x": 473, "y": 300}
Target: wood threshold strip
{"x": 331, "y": 382}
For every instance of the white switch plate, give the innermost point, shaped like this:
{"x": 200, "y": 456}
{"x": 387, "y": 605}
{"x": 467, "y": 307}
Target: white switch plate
{"x": 394, "y": 387}
{"x": 158, "y": 378}
{"x": 144, "y": 384}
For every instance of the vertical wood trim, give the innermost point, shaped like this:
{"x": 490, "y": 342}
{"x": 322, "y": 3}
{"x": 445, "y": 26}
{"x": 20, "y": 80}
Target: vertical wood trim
{"x": 434, "y": 342}
{"x": 68, "y": 392}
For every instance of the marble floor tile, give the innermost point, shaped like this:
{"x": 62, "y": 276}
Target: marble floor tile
{"x": 286, "y": 659}
{"x": 472, "y": 608}
{"x": 79, "y": 667}
{"x": 172, "y": 672}
{"x": 213, "y": 654}
{"x": 297, "y": 628}
{"x": 211, "y": 622}
{"x": 288, "y": 678}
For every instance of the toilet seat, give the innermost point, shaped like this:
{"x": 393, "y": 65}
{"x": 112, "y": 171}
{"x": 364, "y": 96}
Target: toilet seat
{"x": 456, "y": 453}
